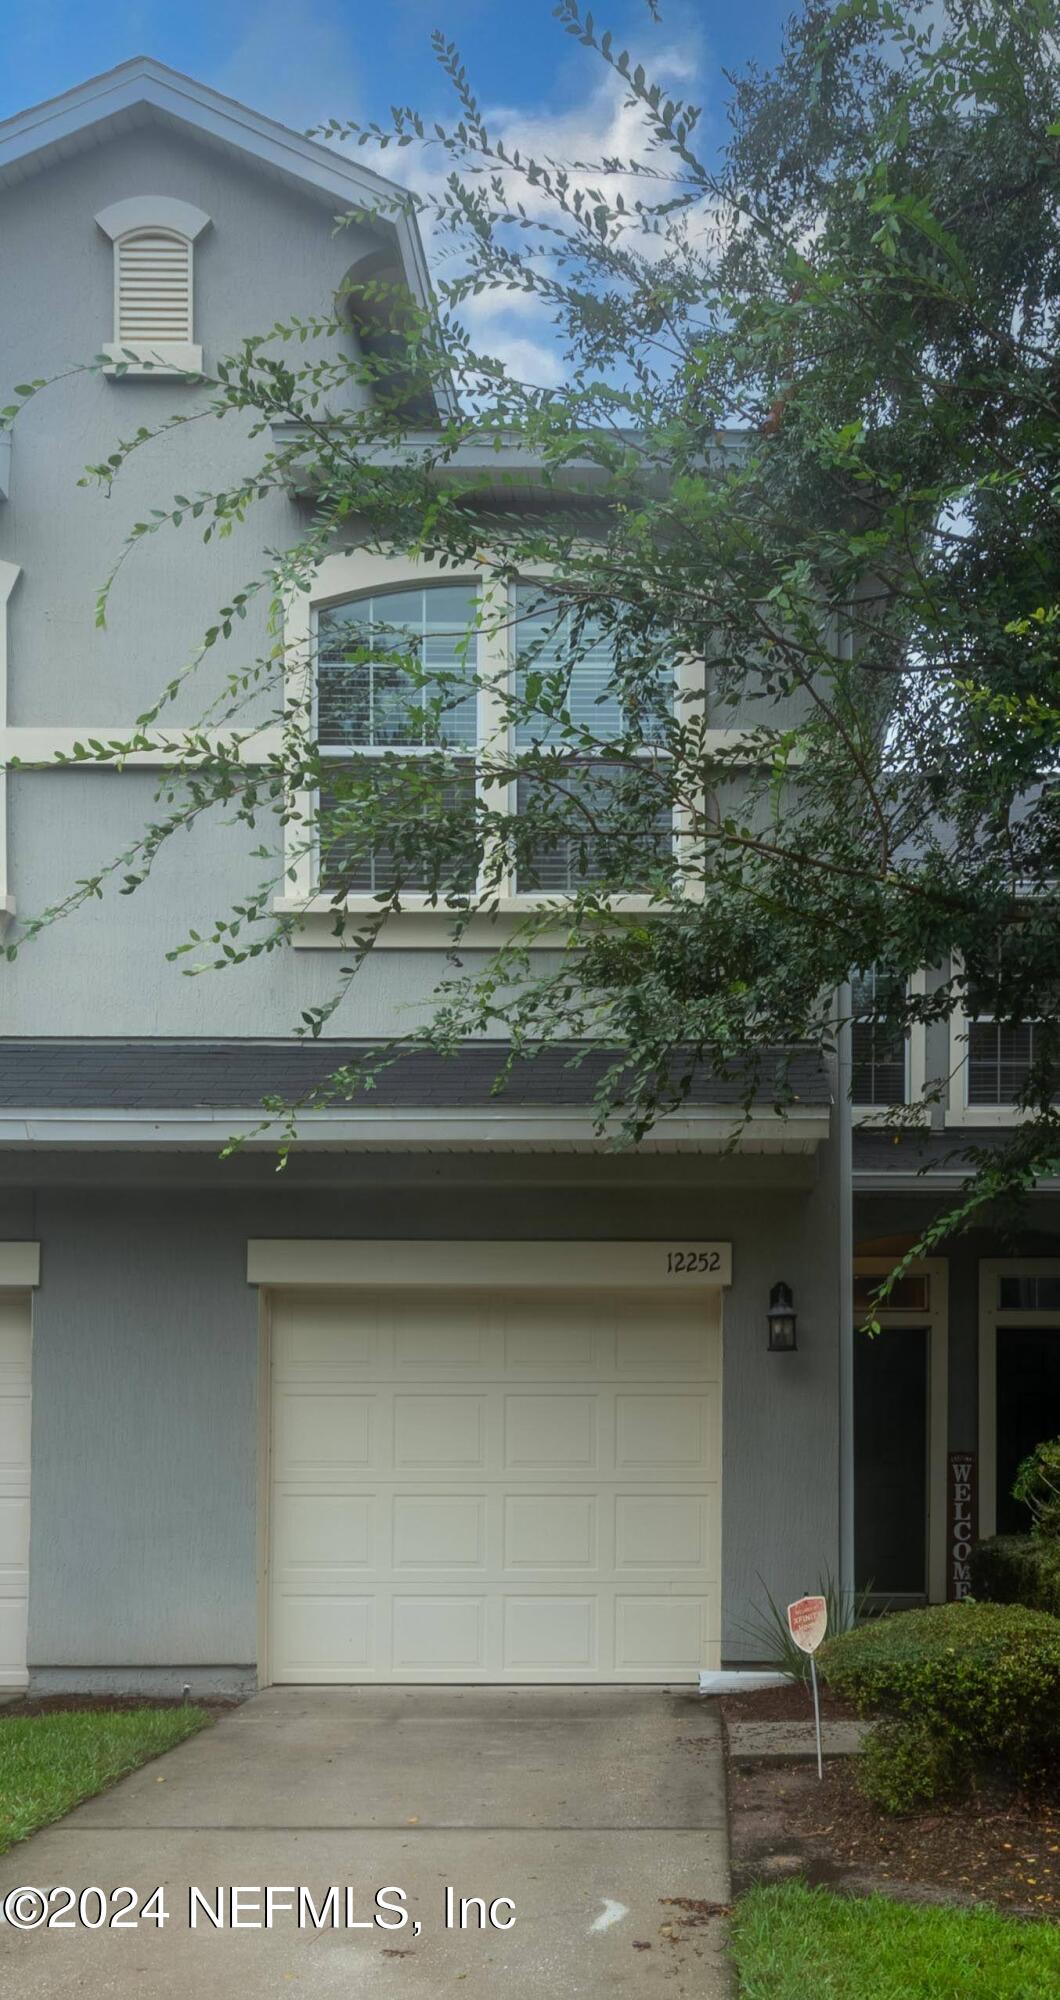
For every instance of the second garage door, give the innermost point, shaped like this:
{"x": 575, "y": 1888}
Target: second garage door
{"x": 491, "y": 1486}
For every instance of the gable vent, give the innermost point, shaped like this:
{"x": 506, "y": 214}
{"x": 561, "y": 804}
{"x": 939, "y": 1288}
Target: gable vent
{"x": 153, "y": 286}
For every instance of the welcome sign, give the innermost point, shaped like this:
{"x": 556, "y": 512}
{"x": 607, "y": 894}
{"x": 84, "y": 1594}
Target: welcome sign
{"x": 960, "y": 1524}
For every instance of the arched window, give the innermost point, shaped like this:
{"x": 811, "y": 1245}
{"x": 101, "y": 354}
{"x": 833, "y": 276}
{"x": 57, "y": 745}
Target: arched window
{"x": 153, "y": 238}
{"x": 397, "y": 713}
{"x": 414, "y": 721}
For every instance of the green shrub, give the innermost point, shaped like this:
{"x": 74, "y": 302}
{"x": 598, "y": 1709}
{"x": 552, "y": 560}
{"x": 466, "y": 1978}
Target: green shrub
{"x": 1037, "y": 1484}
{"x": 958, "y": 1686}
{"x": 1018, "y": 1569}
{"x": 903, "y": 1766}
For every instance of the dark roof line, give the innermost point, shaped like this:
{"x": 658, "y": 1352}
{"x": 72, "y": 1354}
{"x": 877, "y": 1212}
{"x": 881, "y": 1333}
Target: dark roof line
{"x": 134, "y": 1074}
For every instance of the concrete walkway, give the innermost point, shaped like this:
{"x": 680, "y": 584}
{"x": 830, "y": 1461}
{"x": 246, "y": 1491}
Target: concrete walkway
{"x": 599, "y": 1811}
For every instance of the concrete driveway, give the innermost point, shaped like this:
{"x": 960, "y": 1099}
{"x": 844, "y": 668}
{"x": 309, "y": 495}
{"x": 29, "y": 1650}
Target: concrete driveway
{"x": 600, "y": 1814}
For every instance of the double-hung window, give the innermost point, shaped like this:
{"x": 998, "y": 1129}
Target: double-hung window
{"x": 1001, "y": 1055}
{"x": 588, "y": 817}
{"x": 397, "y": 723}
{"x": 879, "y": 1042}
{"x": 443, "y": 723}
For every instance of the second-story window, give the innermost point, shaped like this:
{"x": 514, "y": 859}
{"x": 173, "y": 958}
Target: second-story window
{"x": 1007, "y": 1052}
{"x": 397, "y": 716}
{"x": 878, "y": 1038}
{"x": 603, "y": 819}
{"x": 1001, "y": 1055}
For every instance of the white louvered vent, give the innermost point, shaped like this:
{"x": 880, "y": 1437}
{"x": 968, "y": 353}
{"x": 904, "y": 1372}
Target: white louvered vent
{"x": 153, "y": 287}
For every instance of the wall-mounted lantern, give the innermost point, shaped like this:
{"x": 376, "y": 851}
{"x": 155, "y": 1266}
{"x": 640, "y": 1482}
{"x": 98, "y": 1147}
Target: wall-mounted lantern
{"x": 782, "y": 1321}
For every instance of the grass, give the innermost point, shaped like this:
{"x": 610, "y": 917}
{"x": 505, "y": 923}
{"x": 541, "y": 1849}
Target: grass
{"x": 50, "y": 1762}
{"x": 794, "y": 1943}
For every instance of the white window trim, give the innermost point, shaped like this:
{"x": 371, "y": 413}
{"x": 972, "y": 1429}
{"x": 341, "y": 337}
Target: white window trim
{"x": 163, "y": 358}
{"x": 993, "y": 1321}
{"x": 958, "y": 1111}
{"x": 357, "y": 573}
{"x": 9, "y": 575}
{"x": 915, "y": 1069}
{"x": 937, "y": 1318}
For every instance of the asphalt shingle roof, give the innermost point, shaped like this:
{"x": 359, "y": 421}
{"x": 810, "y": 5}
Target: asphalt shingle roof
{"x": 77, "y": 1075}
{"x": 906, "y": 1150}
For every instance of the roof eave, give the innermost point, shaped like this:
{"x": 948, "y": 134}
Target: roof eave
{"x": 710, "y": 1128}
{"x": 35, "y": 138}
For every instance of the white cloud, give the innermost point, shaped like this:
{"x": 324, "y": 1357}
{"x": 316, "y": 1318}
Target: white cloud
{"x": 604, "y": 126}
{"x": 520, "y": 335}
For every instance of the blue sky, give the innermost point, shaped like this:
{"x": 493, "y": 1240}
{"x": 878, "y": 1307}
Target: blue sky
{"x": 340, "y": 58}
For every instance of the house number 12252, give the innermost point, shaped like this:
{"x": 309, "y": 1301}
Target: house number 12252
{"x": 692, "y": 1260}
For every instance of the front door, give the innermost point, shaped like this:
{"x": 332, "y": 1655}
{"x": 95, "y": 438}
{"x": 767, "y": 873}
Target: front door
{"x": 900, "y": 1381}
{"x": 891, "y": 1461}
{"x": 1019, "y": 1379}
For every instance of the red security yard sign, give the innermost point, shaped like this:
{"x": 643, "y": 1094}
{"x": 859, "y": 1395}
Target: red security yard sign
{"x": 808, "y": 1623}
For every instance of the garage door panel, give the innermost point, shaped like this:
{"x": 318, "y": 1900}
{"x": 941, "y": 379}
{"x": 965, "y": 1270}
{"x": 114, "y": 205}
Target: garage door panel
{"x": 319, "y": 1335}
{"x": 662, "y": 1433}
{"x": 340, "y": 1525}
{"x": 324, "y": 1434}
{"x": 554, "y": 1433}
{"x": 566, "y": 1341}
{"x": 551, "y": 1634}
{"x": 663, "y": 1531}
{"x": 439, "y": 1531}
{"x": 439, "y": 1430}
{"x": 326, "y": 1636}
{"x": 661, "y": 1341}
{"x": 439, "y": 1633}
{"x": 436, "y": 1332}
{"x": 549, "y": 1531}
{"x": 457, "y": 1510}
{"x": 665, "y": 1632}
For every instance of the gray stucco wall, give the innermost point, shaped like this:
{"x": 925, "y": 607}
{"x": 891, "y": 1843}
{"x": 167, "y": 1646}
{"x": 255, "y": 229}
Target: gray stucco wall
{"x": 268, "y": 254}
{"x": 142, "y": 1538}
{"x": 64, "y": 825}
{"x": 145, "y": 1379}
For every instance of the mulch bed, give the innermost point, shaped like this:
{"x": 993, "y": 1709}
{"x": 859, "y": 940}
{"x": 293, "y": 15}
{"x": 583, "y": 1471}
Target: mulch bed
{"x": 793, "y": 1703}
{"x": 994, "y": 1846}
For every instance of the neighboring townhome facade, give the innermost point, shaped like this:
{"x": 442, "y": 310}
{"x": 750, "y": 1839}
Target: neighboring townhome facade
{"x": 965, "y": 1378}
{"x": 463, "y": 1394}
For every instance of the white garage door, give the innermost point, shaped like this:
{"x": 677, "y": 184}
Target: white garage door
{"x": 472, "y": 1485}
{"x": 14, "y": 1484}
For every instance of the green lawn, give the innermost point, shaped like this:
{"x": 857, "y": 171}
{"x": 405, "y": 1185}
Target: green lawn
{"x": 49, "y": 1762}
{"x": 794, "y": 1943}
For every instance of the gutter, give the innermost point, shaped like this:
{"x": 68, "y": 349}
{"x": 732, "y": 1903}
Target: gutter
{"x": 400, "y": 1129}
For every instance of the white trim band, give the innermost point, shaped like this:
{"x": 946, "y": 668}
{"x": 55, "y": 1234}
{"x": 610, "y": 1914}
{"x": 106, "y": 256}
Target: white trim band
{"x": 19, "y": 1265}
{"x": 342, "y": 1261}
{"x": 402, "y": 1129}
